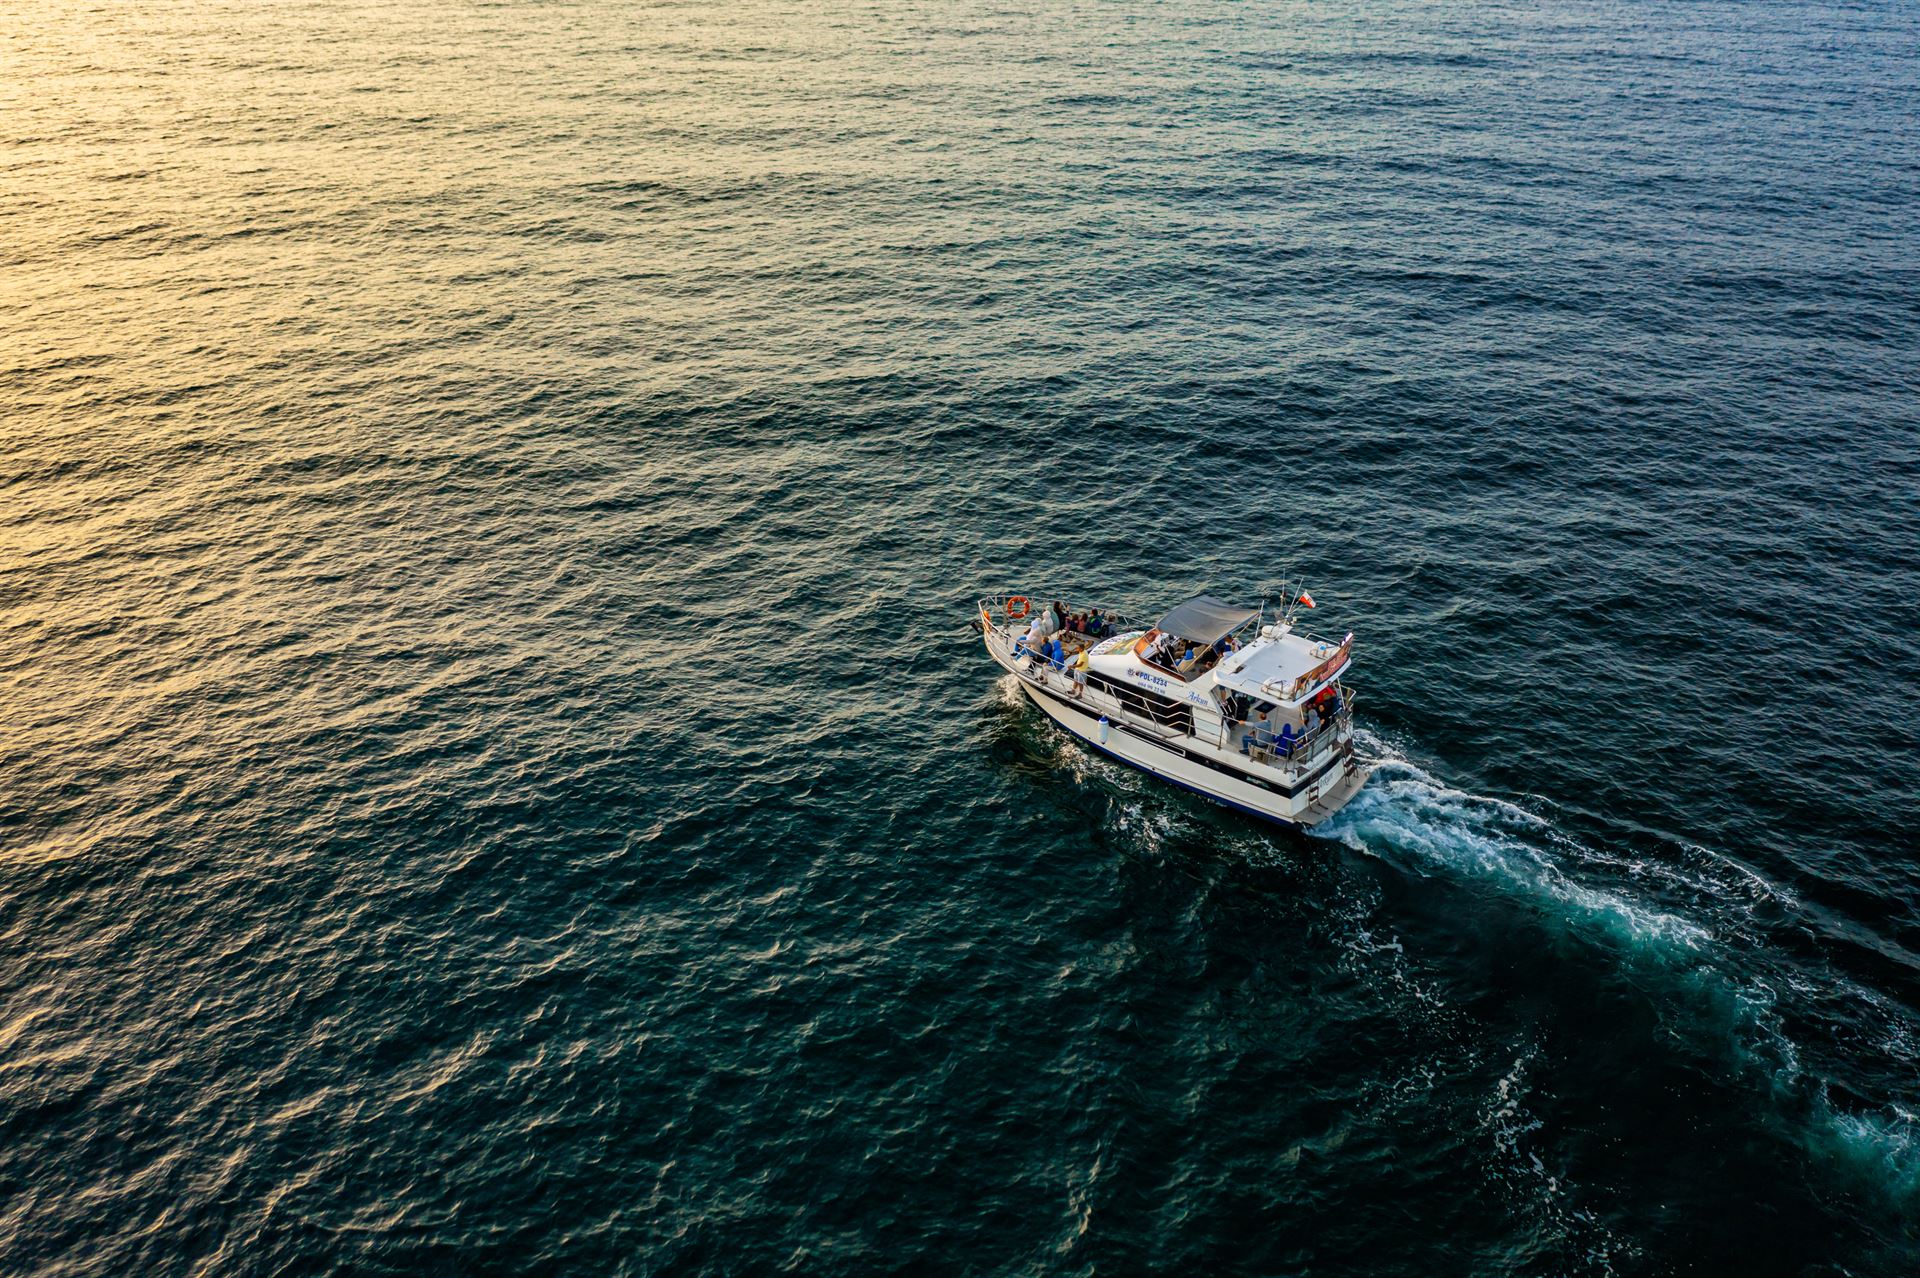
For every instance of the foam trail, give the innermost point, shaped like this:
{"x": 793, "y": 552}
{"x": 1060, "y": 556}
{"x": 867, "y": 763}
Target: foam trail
{"x": 1411, "y": 819}
{"x": 1407, "y": 815}
{"x": 1716, "y": 986}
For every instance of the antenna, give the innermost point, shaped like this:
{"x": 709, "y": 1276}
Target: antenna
{"x": 1285, "y": 596}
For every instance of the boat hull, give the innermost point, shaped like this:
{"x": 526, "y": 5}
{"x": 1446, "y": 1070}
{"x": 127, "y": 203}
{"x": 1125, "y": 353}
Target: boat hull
{"x": 1138, "y": 749}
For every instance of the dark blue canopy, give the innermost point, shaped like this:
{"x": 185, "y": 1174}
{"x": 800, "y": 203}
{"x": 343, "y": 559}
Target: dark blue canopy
{"x": 1205, "y": 619}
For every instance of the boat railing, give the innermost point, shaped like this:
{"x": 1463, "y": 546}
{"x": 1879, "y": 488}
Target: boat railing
{"x": 1269, "y": 748}
{"x": 1063, "y": 677}
{"x": 994, "y": 609}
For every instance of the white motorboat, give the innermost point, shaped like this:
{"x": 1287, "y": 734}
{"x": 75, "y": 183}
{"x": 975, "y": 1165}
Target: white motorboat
{"x": 1251, "y": 714}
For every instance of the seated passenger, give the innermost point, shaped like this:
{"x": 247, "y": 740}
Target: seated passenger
{"x": 1037, "y": 632}
{"x": 1284, "y": 742}
{"x": 1252, "y": 715}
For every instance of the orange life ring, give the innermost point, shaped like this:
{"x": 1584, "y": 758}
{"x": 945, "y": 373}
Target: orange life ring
{"x": 1025, "y": 607}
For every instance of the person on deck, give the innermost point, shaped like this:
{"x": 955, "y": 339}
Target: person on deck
{"x": 1249, "y": 726}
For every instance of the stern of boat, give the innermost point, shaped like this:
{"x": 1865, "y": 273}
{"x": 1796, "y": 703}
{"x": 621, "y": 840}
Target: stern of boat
{"x": 1336, "y": 796}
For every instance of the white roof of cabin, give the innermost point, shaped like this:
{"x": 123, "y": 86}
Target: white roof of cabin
{"x": 1268, "y": 668}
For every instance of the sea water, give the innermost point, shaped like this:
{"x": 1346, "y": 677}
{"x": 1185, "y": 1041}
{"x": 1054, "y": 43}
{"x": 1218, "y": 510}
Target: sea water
{"x": 496, "y": 776}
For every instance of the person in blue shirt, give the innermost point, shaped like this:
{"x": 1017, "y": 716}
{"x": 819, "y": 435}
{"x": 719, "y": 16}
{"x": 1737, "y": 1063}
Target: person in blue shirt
{"x": 1284, "y": 742}
{"x": 1057, "y": 655}
{"x": 1255, "y": 724}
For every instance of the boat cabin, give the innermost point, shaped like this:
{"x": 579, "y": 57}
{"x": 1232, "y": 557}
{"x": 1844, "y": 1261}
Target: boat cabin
{"x": 1286, "y": 668}
{"x": 1195, "y": 659}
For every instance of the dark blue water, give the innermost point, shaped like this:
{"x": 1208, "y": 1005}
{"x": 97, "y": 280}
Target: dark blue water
{"x": 496, "y": 777}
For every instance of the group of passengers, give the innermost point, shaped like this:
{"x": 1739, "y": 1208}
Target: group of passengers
{"x": 1089, "y": 623}
{"x": 1061, "y": 639}
{"x": 1048, "y": 649}
{"x": 1264, "y": 726}
{"x": 1187, "y": 657}
{"x": 1051, "y": 638}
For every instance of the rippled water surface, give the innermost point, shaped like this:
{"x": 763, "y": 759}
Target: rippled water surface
{"x": 495, "y": 775}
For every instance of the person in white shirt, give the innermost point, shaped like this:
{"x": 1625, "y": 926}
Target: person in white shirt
{"x": 1036, "y": 633}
